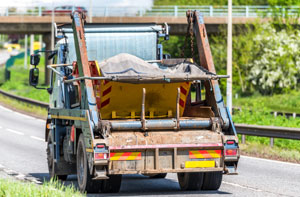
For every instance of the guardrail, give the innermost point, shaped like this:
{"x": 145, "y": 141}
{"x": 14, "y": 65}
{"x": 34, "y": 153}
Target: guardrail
{"x": 25, "y": 100}
{"x": 244, "y": 129}
{"x": 175, "y": 11}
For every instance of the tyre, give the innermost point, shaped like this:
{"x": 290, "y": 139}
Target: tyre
{"x": 158, "y": 176}
{"x": 212, "y": 180}
{"x": 190, "y": 180}
{"x": 112, "y": 185}
{"x": 50, "y": 160}
{"x": 84, "y": 178}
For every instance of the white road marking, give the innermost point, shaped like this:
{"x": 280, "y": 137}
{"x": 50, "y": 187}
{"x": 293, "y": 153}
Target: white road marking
{"x": 5, "y": 109}
{"x": 25, "y": 116}
{"x": 241, "y": 186}
{"x": 37, "y": 138}
{"x": 269, "y": 160}
{"x": 14, "y": 131}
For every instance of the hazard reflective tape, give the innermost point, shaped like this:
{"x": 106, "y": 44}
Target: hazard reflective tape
{"x": 200, "y": 164}
{"x": 203, "y": 154}
{"x": 125, "y": 156}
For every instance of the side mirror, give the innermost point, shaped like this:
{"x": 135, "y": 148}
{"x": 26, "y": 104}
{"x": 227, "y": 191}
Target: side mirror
{"x": 34, "y": 76}
{"x": 34, "y": 59}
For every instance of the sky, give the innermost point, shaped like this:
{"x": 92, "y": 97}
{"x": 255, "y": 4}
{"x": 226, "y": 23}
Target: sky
{"x": 98, "y": 3}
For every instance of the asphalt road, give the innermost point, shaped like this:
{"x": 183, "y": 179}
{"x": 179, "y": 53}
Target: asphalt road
{"x": 22, "y": 148}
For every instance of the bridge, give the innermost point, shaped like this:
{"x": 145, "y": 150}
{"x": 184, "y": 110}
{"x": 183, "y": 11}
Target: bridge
{"x": 33, "y": 20}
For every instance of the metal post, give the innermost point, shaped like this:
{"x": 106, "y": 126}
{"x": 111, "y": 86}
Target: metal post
{"x": 26, "y": 51}
{"x": 40, "y": 10}
{"x": 52, "y": 28}
{"x": 175, "y": 10}
{"x": 271, "y": 142}
{"x": 90, "y": 12}
{"x": 229, "y": 58}
{"x": 31, "y": 44}
{"x": 41, "y": 41}
{"x": 243, "y": 139}
{"x": 247, "y": 11}
{"x": 211, "y": 11}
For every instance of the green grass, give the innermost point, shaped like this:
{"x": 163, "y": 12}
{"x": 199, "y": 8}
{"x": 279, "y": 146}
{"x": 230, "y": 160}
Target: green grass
{"x": 255, "y": 148}
{"x": 256, "y": 110}
{"x": 289, "y": 102}
{"x": 9, "y": 187}
{"x": 19, "y": 81}
{"x": 27, "y": 108}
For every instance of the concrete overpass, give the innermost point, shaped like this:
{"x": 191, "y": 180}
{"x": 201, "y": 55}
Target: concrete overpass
{"x": 42, "y": 24}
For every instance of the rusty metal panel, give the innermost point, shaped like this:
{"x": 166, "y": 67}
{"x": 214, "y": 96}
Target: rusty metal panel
{"x": 179, "y": 138}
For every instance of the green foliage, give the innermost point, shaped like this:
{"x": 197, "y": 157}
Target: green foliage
{"x": 19, "y": 82}
{"x": 211, "y": 2}
{"x": 9, "y": 187}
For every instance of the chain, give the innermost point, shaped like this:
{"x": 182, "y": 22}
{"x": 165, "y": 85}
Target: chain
{"x": 190, "y": 33}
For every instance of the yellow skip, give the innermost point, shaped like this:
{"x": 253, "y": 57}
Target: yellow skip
{"x": 200, "y": 164}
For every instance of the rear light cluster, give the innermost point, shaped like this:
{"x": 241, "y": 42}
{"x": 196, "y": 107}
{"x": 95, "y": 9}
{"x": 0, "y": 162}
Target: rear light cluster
{"x": 230, "y": 148}
{"x": 230, "y": 152}
{"x": 101, "y": 152}
{"x": 100, "y": 156}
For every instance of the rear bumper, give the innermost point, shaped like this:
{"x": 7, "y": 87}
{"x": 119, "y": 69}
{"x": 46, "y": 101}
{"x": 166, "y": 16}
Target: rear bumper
{"x": 166, "y": 158}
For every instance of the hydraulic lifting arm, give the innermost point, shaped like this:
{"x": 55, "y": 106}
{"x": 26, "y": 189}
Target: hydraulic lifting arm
{"x": 215, "y": 98}
{"x": 88, "y": 100}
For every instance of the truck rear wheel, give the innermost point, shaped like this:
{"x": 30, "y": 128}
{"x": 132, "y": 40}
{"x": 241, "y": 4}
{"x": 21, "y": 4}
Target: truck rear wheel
{"x": 190, "y": 180}
{"x": 50, "y": 160}
{"x": 84, "y": 178}
{"x": 212, "y": 180}
{"x": 112, "y": 185}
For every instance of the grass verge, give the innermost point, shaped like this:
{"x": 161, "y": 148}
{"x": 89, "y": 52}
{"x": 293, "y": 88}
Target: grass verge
{"x": 10, "y": 187}
{"x": 257, "y": 149}
{"x": 35, "y": 111}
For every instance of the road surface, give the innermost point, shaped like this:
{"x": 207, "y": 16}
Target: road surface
{"x": 22, "y": 149}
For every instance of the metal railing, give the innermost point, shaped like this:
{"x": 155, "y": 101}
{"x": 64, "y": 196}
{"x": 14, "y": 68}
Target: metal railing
{"x": 244, "y": 129}
{"x": 171, "y": 11}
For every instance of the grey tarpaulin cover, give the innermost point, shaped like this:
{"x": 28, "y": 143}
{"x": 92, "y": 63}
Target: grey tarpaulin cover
{"x": 129, "y": 66}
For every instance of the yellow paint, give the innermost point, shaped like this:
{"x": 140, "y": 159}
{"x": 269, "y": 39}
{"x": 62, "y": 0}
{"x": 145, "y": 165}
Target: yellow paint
{"x": 116, "y": 156}
{"x": 200, "y": 164}
{"x": 170, "y": 113}
{"x": 69, "y": 117}
{"x": 121, "y": 157}
{"x": 198, "y": 155}
{"x": 113, "y": 114}
{"x": 133, "y": 156}
{"x": 126, "y": 98}
{"x": 213, "y": 154}
{"x": 132, "y": 115}
{"x": 97, "y": 66}
{"x": 89, "y": 150}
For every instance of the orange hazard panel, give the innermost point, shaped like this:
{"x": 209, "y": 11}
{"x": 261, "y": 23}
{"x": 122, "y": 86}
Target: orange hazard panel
{"x": 126, "y": 156}
{"x": 203, "y": 154}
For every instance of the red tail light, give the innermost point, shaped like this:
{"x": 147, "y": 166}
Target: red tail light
{"x": 100, "y": 156}
{"x": 230, "y": 142}
{"x": 231, "y": 152}
{"x": 100, "y": 145}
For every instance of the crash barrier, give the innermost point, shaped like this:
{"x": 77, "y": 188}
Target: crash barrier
{"x": 244, "y": 129}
